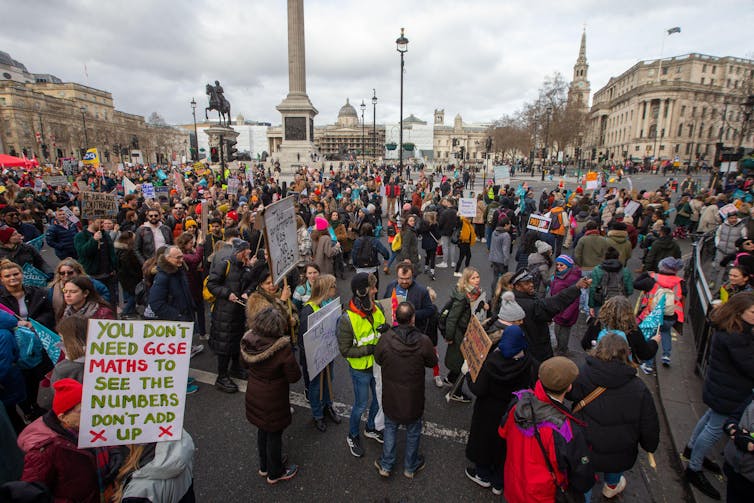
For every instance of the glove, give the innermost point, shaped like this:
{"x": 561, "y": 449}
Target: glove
{"x": 742, "y": 440}
{"x": 730, "y": 428}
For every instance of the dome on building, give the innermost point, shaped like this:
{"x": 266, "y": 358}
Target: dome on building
{"x": 347, "y": 116}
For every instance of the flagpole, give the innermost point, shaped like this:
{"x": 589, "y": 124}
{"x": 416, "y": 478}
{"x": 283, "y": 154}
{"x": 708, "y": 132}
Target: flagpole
{"x": 658, "y": 129}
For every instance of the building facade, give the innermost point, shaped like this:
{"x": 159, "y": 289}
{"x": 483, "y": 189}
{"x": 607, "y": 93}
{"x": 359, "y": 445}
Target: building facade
{"x": 676, "y": 109}
{"x": 450, "y": 140}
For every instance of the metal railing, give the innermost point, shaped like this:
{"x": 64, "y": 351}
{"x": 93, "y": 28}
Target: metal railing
{"x": 699, "y": 298}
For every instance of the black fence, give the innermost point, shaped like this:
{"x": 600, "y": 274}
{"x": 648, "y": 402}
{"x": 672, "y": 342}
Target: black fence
{"x": 699, "y": 298}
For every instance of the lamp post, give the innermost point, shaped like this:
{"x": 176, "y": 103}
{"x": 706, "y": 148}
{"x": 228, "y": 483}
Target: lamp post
{"x": 374, "y": 124}
{"x": 83, "y": 118}
{"x": 363, "y": 142}
{"x": 548, "y": 109}
{"x": 195, "y": 157}
{"x": 402, "y": 47}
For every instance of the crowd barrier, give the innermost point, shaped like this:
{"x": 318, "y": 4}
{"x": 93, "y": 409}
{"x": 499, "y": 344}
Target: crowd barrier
{"x": 699, "y": 297}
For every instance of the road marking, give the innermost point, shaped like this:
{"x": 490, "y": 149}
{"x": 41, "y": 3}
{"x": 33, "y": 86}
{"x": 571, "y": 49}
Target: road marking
{"x": 430, "y": 429}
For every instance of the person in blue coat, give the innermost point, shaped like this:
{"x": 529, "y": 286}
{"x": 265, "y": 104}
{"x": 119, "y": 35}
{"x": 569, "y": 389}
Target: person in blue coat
{"x": 170, "y": 297}
{"x": 12, "y": 386}
{"x": 60, "y": 236}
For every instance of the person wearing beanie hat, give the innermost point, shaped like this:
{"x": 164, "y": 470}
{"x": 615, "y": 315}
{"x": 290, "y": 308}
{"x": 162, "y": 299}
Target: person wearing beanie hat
{"x": 510, "y": 312}
{"x": 567, "y": 273}
{"x": 557, "y": 432}
{"x": 508, "y": 368}
{"x": 51, "y": 455}
{"x": 359, "y": 330}
{"x": 665, "y": 246}
{"x": 670, "y": 265}
{"x": 14, "y": 249}
{"x": 324, "y": 248}
{"x": 539, "y": 265}
{"x": 231, "y": 218}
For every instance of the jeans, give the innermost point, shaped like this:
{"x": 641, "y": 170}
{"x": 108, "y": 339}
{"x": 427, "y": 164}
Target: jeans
{"x": 129, "y": 303}
{"x": 393, "y": 256}
{"x": 488, "y": 235}
{"x": 666, "y": 340}
{"x": 363, "y": 382}
{"x": 610, "y": 479}
{"x": 448, "y": 250}
{"x": 584, "y": 297}
{"x": 413, "y": 436}
{"x": 706, "y": 433}
{"x": 562, "y": 334}
{"x": 498, "y": 270}
{"x": 201, "y": 322}
{"x": 320, "y": 382}
{"x": 464, "y": 252}
{"x": 270, "y": 448}
{"x": 429, "y": 258}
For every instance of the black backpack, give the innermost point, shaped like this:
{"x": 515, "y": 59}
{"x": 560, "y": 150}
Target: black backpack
{"x": 611, "y": 284}
{"x": 367, "y": 254}
{"x": 442, "y": 318}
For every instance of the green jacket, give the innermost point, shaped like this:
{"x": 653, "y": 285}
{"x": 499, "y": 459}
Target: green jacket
{"x": 599, "y": 271}
{"x": 88, "y": 250}
{"x": 456, "y": 324}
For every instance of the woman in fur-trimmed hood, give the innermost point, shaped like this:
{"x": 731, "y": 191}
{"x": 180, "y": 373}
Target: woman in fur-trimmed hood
{"x": 268, "y": 294}
{"x": 267, "y": 353}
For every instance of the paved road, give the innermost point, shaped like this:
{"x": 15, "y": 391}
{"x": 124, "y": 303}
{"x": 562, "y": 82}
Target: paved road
{"x": 226, "y": 457}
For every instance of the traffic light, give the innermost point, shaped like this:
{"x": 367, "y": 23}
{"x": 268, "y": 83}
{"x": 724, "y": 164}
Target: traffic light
{"x": 214, "y": 154}
{"x": 594, "y": 154}
{"x": 455, "y": 142}
{"x": 231, "y": 149}
{"x": 463, "y": 149}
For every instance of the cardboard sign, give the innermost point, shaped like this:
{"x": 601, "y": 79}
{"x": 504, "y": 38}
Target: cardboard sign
{"x": 539, "y": 223}
{"x": 33, "y": 276}
{"x": 321, "y": 340}
{"x": 631, "y": 208}
{"x": 148, "y": 190}
{"x": 134, "y": 382}
{"x": 70, "y": 167}
{"x": 98, "y": 205}
{"x": 56, "y": 180}
{"x": 467, "y": 207}
{"x": 280, "y": 237}
{"x": 475, "y": 346}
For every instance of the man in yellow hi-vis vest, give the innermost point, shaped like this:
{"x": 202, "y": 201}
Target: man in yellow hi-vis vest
{"x": 358, "y": 332}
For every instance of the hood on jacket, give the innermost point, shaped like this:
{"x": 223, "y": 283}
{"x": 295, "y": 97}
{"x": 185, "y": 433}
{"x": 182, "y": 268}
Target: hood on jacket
{"x": 611, "y": 265}
{"x": 255, "y": 349}
{"x": 619, "y": 237}
{"x": 170, "y": 459}
{"x": 408, "y": 336}
{"x": 507, "y": 369}
{"x": 120, "y": 245}
{"x": 609, "y": 374}
{"x": 35, "y": 435}
{"x": 543, "y": 409}
{"x": 165, "y": 266}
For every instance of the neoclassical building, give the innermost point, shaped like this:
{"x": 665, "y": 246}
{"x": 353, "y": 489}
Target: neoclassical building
{"x": 472, "y": 137}
{"x": 676, "y": 108}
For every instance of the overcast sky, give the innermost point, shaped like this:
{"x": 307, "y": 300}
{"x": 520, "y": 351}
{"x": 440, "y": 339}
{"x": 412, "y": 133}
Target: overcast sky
{"x": 479, "y": 58}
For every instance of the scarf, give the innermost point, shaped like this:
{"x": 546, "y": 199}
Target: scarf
{"x": 473, "y": 292}
{"x": 87, "y": 310}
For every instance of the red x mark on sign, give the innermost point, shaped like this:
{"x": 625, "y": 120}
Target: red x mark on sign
{"x": 98, "y": 435}
{"x": 165, "y": 431}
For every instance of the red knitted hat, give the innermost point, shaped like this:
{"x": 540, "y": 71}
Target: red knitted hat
{"x": 67, "y": 395}
{"x": 6, "y": 233}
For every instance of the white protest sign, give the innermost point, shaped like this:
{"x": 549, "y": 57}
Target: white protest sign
{"x": 134, "y": 382}
{"x": 233, "y": 184}
{"x": 148, "y": 190}
{"x": 502, "y": 174}
{"x": 69, "y": 215}
{"x": 321, "y": 341}
{"x": 128, "y": 186}
{"x": 631, "y": 208}
{"x": 317, "y": 316}
{"x": 539, "y": 223}
{"x": 280, "y": 237}
{"x": 56, "y": 180}
{"x": 467, "y": 207}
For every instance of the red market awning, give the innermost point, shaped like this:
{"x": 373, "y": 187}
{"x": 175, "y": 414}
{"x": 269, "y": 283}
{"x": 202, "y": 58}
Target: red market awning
{"x": 8, "y": 161}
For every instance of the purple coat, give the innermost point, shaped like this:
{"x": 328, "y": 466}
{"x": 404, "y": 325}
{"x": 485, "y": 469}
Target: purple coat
{"x": 569, "y": 315}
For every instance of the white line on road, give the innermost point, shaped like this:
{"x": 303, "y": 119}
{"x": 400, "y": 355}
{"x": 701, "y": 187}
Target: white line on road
{"x": 430, "y": 429}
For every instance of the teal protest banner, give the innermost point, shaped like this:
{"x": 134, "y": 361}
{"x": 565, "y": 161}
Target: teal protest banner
{"x": 33, "y": 276}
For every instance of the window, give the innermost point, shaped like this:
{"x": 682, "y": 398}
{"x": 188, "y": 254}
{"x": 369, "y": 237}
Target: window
{"x": 680, "y": 130}
{"x": 702, "y": 81}
{"x": 704, "y": 68}
{"x": 677, "y": 148}
{"x": 712, "y": 82}
{"x": 704, "y": 111}
{"x": 728, "y": 84}
{"x": 688, "y": 148}
{"x": 683, "y": 110}
{"x": 691, "y": 130}
{"x": 714, "y": 69}
{"x": 735, "y": 85}
{"x": 693, "y": 111}
{"x": 665, "y": 71}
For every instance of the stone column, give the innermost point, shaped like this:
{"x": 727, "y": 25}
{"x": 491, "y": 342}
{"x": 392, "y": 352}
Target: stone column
{"x": 296, "y": 48}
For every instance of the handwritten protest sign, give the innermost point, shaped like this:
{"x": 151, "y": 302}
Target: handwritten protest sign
{"x": 148, "y": 190}
{"x": 70, "y": 166}
{"x": 98, "y": 205}
{"x": 475, "y": 346}
{"x": 467, "y": 207}
{"x": 280, "y": 237}
{"x": 233, "y": 185}
{"x": 631, "y": 208}
{"x": 502, "y": 174}
{"x": 69, "y": 215}
{"x": 321, "y": 339}
{"x": 33, "y": 276}
{"x": 56, "y": 180}
{"x": 319, "y": 315}
{"x": 134, "y": 382}
{"x": 539, "y": 223}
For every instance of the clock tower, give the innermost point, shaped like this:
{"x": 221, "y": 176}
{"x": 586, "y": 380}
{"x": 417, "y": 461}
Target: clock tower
{"x": 579, "y": 90}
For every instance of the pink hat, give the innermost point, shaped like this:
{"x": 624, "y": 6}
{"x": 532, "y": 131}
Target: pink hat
{"x": 320, "y": 223}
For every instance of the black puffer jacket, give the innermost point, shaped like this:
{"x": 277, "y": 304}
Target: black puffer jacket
{"x": 730, "y": 374}
{"x": 620, "y": 419}
{"x": 539, "y": 312}
{"x": 228, "y": 318}
{"x": 494, "y": 387}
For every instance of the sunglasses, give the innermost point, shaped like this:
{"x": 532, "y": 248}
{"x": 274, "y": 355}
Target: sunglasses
{"x": 67, "y": 273}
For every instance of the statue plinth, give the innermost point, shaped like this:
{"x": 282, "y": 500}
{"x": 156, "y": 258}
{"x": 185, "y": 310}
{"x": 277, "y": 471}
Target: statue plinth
{"x": 215, "y": 136}
{"x": 298, "y": 133}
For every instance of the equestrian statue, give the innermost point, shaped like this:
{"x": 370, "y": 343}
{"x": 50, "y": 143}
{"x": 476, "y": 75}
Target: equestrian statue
{"x": 218, "y": 102}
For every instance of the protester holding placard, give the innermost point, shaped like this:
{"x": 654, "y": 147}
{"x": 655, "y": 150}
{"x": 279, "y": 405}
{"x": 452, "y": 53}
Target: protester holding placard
{"x": 466, "y": 239}
{"x": 269, "y": 294}
{"x": 13, "y": 248}
{"x": 267, "y": 352}
{"x": 319, "y": 391}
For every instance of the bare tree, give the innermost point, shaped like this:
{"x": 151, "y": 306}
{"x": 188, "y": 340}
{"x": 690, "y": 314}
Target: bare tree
{"x": 156, "y": 119}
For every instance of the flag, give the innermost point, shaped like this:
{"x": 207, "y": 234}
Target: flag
{"x": 37, "y": 242}
{"x": 128, "y": 186}
{"x": 675, "y": 29}
{"x": 33, "y": 276}
{"x": 50, "y": 340}
{"x": 653, "y": 321}
{"x": 91, "y": 158}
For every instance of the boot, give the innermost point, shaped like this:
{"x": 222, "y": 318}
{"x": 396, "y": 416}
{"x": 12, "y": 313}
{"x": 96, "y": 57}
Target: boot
{"x": 226, "y": 384}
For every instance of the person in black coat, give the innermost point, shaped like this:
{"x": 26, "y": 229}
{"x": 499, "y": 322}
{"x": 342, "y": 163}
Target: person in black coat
{"x": 170, "y": 297}
{"x": 406, "y": 288}
{"x": 727, "y": 387}
{"x": 620, "y": 419}
{"x": 507, "y": 369}
{"x": 540, "y": 312}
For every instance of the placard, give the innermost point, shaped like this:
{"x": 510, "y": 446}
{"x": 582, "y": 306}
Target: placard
{"x": 128, "y": 186}
{"x": 33, "y": 276}
{"x": 475, "y": 346}
{"x": 98, "y": 205}
{"x": 70, "y": 166}
{"x": 321, "y": 340}
{"x": 56, "y": 180}
{"x": 233, "y": 185}
{"x": 539, "y": 223}
{"x": 317, "y": 316}
{"x": 592, "y": 180}
{"x": 69, "y": 215}
{"x": 502, "y": 174}
{"x": 631, "y": 208}
{"x": 467, "y": 207}
{"x": 135, "y": 376}
{"x": 280, "y": 237}
{"x": 148, "y": 190}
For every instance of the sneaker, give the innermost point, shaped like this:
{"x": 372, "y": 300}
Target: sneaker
{"x": 190, "y": 380}
{"x": 446, "y": 382}
{"x": 283, "y": 460}
{"x": 354, "y": 443}
{"x": 191, "y": 389}
{"x": 612, "y": 492}
{"x": 439, "y": 382}
{"x": 203, "y": 337}
{"x": 497, "y": 491}
{"x": 374, "y": 435}
{"x": 289, "y": 473}
{"x": 460, "y": 397}
{"x": 698, "y": 480}
{"x": 196, "y": 349}
{"x": 380, "y": 469}
{"x": 452, "y": 264}
{"x": 441, "y": 265}
{"x": 707, "y": 464}
{"x": 473, "y": 476}
{"x": 457, "y": 274}
{"x": 421, "y": 463}
{"x": 226, "y": 384}
{"x": 647, "y": 369}
{"x": 666, "y": 361}
{"x": 239, "y": 373}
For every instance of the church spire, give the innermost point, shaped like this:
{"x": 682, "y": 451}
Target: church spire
{"x": 580, "y": 88}
{"x": 582, "y": 49}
